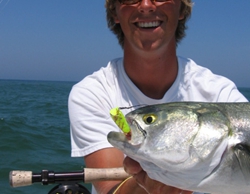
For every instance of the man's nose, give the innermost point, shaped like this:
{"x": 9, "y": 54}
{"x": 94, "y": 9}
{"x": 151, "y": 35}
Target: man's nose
{"x": 147, "y": 6}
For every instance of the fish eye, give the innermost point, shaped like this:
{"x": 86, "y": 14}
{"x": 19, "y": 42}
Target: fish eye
{"x": 149, "y": 118}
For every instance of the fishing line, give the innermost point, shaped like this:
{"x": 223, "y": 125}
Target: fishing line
{"x": 129, "y": 107}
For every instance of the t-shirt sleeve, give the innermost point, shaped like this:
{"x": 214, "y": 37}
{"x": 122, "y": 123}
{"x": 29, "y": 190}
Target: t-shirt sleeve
{"x": 225, "y": 90}
{"x": 230, "y": 93}
{"x": 90, "y": 121}
{"x": 209, "y": 87}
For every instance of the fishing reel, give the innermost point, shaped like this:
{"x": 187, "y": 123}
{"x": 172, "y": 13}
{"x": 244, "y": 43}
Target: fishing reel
{"x": 69, "y": 189}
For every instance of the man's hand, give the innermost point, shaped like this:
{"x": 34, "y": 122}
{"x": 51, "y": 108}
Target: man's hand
{"x": 151, "y": 186}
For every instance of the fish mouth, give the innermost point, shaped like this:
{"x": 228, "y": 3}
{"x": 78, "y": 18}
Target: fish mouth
{"x": 136, "y": 136}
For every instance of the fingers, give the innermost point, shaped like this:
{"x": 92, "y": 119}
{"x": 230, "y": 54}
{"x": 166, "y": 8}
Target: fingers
{"x": 156, "y": 187}
{"x": 141, "y": 178}
{"x": 131, "y": 166}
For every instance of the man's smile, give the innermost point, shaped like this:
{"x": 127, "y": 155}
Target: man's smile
{"x": 153, "y": 24}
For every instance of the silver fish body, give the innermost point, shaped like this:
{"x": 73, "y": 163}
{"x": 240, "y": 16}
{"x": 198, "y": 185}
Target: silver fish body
{"x": 196, "y": 146}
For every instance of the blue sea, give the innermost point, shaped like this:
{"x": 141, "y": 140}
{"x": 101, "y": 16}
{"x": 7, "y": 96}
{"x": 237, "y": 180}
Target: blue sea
{"x": 34, "y": 131}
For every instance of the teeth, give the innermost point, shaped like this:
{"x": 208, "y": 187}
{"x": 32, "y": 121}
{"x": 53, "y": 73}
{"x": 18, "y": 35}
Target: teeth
{"x": 148, "y": 24}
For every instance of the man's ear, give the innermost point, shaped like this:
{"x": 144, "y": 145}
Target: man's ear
{"x": 117, "y": 21}
{"x": 182, "y": 11}
{"x": 181, "y": 16}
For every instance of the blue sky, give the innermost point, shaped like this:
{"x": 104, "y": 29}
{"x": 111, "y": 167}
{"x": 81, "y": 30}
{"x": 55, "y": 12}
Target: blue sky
{"x": 66, "y": 40}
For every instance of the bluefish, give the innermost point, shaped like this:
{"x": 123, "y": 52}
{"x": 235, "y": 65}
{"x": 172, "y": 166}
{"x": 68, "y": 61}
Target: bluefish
{"x": 196, "y": 146}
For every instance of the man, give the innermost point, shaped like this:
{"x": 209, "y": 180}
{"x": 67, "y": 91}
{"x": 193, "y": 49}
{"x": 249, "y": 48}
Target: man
{"x": 149, "y": 73}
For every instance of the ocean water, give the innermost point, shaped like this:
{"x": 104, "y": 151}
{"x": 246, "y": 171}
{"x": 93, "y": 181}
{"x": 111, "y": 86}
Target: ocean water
{"x": 34, "y": 131}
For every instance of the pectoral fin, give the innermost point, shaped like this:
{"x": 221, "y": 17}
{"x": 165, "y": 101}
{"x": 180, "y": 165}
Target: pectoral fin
{"x": 242, "y": 153}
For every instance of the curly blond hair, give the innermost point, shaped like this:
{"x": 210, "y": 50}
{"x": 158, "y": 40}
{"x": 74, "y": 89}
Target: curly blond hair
{"x": 186, "y": 9}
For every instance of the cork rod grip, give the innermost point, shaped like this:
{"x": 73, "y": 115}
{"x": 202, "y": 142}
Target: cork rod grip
{"x": 104, "y": 174}
{"x": 20, "y": 178}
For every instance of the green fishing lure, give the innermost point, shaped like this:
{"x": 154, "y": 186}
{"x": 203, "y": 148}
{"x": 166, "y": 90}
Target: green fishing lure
{"x": 120, "y": 120}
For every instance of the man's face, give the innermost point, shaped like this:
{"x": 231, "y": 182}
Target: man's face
{"x": 149, "y": 25}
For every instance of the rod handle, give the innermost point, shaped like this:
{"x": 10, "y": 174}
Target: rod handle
{"x": 20, "y": 178}
{"x": 104, "y": 174}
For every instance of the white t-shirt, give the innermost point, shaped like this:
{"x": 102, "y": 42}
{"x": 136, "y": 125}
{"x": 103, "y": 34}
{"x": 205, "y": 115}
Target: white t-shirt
{"x": 92, "y": 98}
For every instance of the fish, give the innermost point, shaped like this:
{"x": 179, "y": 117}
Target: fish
{"x": 196, "y": 146}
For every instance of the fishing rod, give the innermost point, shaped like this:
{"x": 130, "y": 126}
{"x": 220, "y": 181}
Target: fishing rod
{"x": 67, "y": 181}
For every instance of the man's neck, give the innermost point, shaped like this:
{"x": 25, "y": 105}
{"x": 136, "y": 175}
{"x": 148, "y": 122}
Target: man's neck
{"x": 152, "y": 73}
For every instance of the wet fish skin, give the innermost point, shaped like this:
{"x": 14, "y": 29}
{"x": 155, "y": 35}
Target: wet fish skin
{"x": 195, "y": 146}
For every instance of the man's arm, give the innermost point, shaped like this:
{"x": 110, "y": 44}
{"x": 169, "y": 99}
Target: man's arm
{"x": 111, "y": 158}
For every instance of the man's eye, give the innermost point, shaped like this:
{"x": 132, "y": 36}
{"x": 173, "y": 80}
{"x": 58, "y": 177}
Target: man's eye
{"x": 129, "y": 2}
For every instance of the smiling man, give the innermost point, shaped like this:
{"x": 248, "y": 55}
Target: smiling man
{"x": 149, "y": 73}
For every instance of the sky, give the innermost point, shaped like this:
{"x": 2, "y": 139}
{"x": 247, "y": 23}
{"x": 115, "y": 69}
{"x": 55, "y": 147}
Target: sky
{"x": 66, "y": 40}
